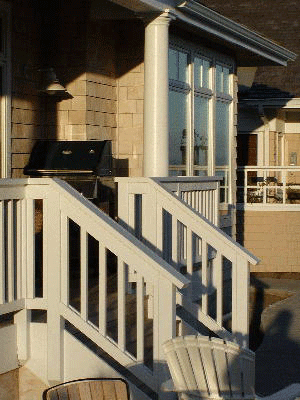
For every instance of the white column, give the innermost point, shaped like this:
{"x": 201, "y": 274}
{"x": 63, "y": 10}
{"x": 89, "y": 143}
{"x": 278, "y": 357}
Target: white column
{"x": 156, "y": 100}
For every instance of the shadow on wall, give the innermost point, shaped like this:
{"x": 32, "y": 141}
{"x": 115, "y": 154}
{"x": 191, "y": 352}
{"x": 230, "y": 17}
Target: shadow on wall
{"x": 86, "y": 49}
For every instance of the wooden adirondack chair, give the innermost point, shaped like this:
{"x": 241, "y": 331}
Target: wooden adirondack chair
{"x": 89, "y": 389}
{"x": 211, "y": 368}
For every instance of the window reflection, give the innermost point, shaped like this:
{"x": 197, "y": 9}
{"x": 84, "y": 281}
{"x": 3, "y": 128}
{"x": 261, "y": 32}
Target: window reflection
{"x": 201, "y": 134}
{"x": 178, "y": 65}
{"x": 201, "y": 73}
{"x": 178, "y": 129}
{"x": 196, "y": 139}
{"x": 222, "y": 134}
{"x": 222, "y": 79}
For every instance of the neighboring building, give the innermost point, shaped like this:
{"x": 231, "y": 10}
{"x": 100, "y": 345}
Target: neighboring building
{"x": 159, "y": 80}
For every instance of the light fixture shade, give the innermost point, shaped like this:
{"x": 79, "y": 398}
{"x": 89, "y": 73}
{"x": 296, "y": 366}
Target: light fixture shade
{"x": 55, "y": 88}
{"x": 51, "y": 83}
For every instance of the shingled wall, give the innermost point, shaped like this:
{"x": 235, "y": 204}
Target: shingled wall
{"x": 278, "y": 20}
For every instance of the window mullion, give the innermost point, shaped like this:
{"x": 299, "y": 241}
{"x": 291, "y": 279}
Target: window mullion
{"x": 191, "y": 127}
{"x": 212, "y": 124}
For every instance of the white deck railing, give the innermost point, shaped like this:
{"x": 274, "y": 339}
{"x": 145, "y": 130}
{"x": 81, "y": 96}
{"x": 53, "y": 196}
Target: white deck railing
{"x": 216, "y": 265}
{"x": 58, "y": 254}
{"x": 269, "y": 186}
{"x": 202, "y": 194}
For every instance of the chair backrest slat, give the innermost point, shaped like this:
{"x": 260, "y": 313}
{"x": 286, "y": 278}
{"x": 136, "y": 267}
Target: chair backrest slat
{"x": 208, "y": 365}
{"x": 186, "y": 366}
{"x": 197, "y": 362}
{"x": 174, "y": 366}
{"x": 221, "y": 364}
{"x": 211, "y": 367}
{"x": 247, "y": 361}
{"x": 234, "y": 369}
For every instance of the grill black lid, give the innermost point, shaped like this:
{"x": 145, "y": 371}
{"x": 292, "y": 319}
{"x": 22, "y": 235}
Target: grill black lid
{"x": 52, "y": 158}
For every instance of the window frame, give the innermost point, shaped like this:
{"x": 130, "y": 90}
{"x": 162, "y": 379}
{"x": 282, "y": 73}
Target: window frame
{"x": 215, "y": 58}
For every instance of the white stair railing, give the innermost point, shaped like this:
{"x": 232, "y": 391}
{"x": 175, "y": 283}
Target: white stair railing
{"x": 201, "y": 193}
{"x": 80, "y": 249}
{"x": 217, "y": 266}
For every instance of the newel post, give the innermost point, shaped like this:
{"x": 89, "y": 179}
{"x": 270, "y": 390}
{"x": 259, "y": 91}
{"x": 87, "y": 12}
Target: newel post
{"x": 55, "y": 324}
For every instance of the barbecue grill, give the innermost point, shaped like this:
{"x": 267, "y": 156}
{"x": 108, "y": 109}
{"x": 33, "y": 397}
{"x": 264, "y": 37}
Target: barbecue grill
{"x": 82, "y": 164}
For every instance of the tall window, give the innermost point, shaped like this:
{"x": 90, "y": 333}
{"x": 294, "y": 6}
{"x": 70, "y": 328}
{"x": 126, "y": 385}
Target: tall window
{"x": 200, "y": 107}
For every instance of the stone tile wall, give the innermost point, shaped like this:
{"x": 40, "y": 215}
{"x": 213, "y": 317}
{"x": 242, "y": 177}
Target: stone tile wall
{"x": 130, "y": 88}
{"x": 25, "y": 115}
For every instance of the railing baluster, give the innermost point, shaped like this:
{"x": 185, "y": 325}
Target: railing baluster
{"x": 284, "y": 194}
{"x": 202, "y": 204}
{"x": 24, "y": 224}
{"x": 10, "y": 250}
{"x": 84, "y": 274}
{"x": 219, "y": 287}
{"x": 197, "y": 199}
{"x": 189, "y": 251}
{"x": 30, "y": 249}
{"x": 45, "y": 250}
{"x": 102, "y": 289}
{"x": 131, "y": 216}
{"x": 65, "y": 245}
{"x": 19, "y": 238}
{"x": 207, "y": 205}
{"x": 189, "y": 258}
{"x": 204, "y": 277}
{"x": 174, "y": 240}
{"x": 140, "y": 319}
{"x": 121, "y": 304}
{"x": 2, "y": 254}
{"x": 159, "y": 227}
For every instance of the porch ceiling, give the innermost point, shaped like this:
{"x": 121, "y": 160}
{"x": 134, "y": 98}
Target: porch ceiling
{"x": 250, "y": 48}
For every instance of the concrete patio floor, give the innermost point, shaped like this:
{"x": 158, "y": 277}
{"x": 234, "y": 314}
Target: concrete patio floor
{"x": 278, "y": 355}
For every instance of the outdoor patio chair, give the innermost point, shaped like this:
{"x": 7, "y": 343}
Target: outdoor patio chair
{"x": 211, "y": 368}
{"x": 89, "y": 389}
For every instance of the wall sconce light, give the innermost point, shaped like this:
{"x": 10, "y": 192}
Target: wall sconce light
{"x": 51, "y": 85}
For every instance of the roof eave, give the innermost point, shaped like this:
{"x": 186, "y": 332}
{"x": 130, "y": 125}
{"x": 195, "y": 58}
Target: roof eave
{"x": 202, "y": 18}
{"x": 222, "y": 27}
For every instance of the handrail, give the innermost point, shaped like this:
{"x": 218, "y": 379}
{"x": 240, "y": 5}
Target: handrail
{"x": 63, "y": 208}
{"x": 192, "y": 244}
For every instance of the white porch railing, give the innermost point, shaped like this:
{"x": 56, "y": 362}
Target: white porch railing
{"x": 202, "y": 194}
{"x": 217, "y": 266}
{"x": 269, "y": 186}
{"x": 59, "y": 253}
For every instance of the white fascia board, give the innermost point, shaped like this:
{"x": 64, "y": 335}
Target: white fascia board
{"x": 220, "y": 26}
{"x": 284, "y": 103}
{"x": 201, "y": 17}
